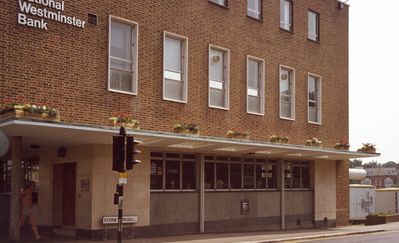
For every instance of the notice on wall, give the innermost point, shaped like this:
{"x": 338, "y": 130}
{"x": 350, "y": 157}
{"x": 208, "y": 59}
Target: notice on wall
{"x": 37, "y": 13}
{"x": 85, "y": 185}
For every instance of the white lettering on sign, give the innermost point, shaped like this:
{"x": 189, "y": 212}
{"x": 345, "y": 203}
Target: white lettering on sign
{"x": 125, "y": 220}
{"x": 43, "y": 13}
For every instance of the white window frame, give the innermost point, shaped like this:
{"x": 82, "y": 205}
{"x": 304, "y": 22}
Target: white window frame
{"x": 184, "y": 61}
{"x": 226, "y": 74}
{"x": 319, "y": 98}
{"x": 292, "y": 118}
{"x": 290, "y": 14}
{"x": 261, "y": 90}
{"x": 218, "y": 2}
{"x": 253, "y": 11}
{"x": 317, "y": 27}
{"x": 135, "y": 39}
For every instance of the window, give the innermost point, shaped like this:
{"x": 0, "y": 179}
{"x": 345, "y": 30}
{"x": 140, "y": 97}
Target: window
{"x": 122, "y": 56}
{"x": 254, "y": 9}
{"x": 219, "y": 2}
{"x": 175, "y": 65}
{"x": 313, "y": 26}
{"x": 255, "y": 85}
{"x": 235, "y": 176}
{"x": 173, "y": 171}
{"x": 296, "y": 174}
{"x": 388, "y": 182}
{"x": 286, "y": 22}
{"x": 314, "y": 98}
{"x": 240, "y": 174}
{"x": 367, "y": 181}
{"x": 218, "y": 77}
{"x": 287, "y": 93}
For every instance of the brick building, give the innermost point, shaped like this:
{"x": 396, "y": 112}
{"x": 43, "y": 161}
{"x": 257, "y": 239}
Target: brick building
{"x": 382, "y": 177}
{"x": 271, "y": 67}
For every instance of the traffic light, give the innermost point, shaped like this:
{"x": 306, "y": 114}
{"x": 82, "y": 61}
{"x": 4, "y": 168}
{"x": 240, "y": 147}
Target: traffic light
{"x": 131, "y": 152}
{"x": 118, "y": 153}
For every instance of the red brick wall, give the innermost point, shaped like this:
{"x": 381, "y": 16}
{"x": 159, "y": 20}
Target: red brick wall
{"x": 66, "y": 67}
{"x": 342, "y": 193}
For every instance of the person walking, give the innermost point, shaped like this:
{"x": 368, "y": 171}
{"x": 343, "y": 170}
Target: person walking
{"x": 26, "y": 209}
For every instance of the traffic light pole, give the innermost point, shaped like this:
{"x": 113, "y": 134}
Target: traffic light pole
{"x": 120, "y": 157}
{"x": 120, "y": 215}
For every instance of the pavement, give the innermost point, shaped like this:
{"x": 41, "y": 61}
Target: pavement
{"x": 245, "y": 237}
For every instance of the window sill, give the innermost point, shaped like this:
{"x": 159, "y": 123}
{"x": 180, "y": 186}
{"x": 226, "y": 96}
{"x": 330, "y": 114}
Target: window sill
{"x": 222, "y": 6}
{"x": 287, "y": 31}
{"x": 315, "y": 123}
{"x": 176, "y": 101}
{"x": 256, "y": 19}
{"x": 218, "y": 107}
{"x": 287, "y": 118}
{"x": 256, "y": 114}
{"x": 314, "y": 41}
{"x": 121, "y": 92}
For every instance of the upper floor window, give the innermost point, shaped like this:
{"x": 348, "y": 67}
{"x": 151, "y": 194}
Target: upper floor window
{"x": 286, "y": 15}
{"x": 255, "y": 85}
{"x": 287, "y": 92}
{"x": 218, "y": 77}
{"x": 220, "y": 2}
{"x": 313, "y": 26}
{"x": 122, "y": 56}
{"x": 314, "y": 98}
{"x": 254, "y": 9}
{"x": 175, "y": 64}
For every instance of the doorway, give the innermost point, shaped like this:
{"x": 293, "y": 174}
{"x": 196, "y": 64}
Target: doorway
{"x": 64, "y": 194}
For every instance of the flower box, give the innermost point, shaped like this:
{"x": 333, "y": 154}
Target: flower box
{"x": 381, "y": 219}
{"x": 183, "y": 128}
{"x": 237, "y": 133}
{"x": 313, "y": 142}
{"x": 28, "y": 115}
{"x": 367, "y": 148}
{"x": 278, "y": 139}
{"x": 131, "y": 124}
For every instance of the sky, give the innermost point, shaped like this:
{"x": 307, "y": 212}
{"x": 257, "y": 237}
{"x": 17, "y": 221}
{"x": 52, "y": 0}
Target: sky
{"x": 374, "y": 76}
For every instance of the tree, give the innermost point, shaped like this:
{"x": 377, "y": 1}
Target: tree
{"x": 355, "y": 163}
{"x": 390, "y": 164}
{"x": 372, "y": 164}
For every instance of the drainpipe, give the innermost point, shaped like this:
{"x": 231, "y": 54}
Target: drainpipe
{"x": 202, "y": 195}
{"x": 282, "y": 194}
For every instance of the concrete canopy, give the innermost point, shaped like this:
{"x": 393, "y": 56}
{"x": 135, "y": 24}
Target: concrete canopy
{"x": 57, "y": 134}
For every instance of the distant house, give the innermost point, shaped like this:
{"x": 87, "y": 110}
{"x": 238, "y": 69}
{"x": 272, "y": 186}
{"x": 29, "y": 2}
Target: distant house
{"x": 382, "y": 177}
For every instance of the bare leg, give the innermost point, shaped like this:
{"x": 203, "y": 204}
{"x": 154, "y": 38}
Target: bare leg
{"x": 34, "y": 226}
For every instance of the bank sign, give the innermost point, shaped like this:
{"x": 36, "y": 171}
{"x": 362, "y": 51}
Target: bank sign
{"x": 36, "y": 13}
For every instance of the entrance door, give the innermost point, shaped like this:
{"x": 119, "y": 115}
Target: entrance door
{"x": 69, "y": 194}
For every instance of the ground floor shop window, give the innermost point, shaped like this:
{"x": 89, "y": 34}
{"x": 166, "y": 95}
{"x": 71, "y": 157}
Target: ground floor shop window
{"x": 30, "y": 172}
{"x": 297, "y": 174}
{"x": 173, "y": 171}
{"x": 233, "y": 173}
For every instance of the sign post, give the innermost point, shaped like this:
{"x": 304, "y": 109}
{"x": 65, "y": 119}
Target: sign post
{"x": 123, "y": 159}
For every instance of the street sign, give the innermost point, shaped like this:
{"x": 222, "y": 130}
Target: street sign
{"x": 123, "y": 178}
{"x": 125, "y": 219}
